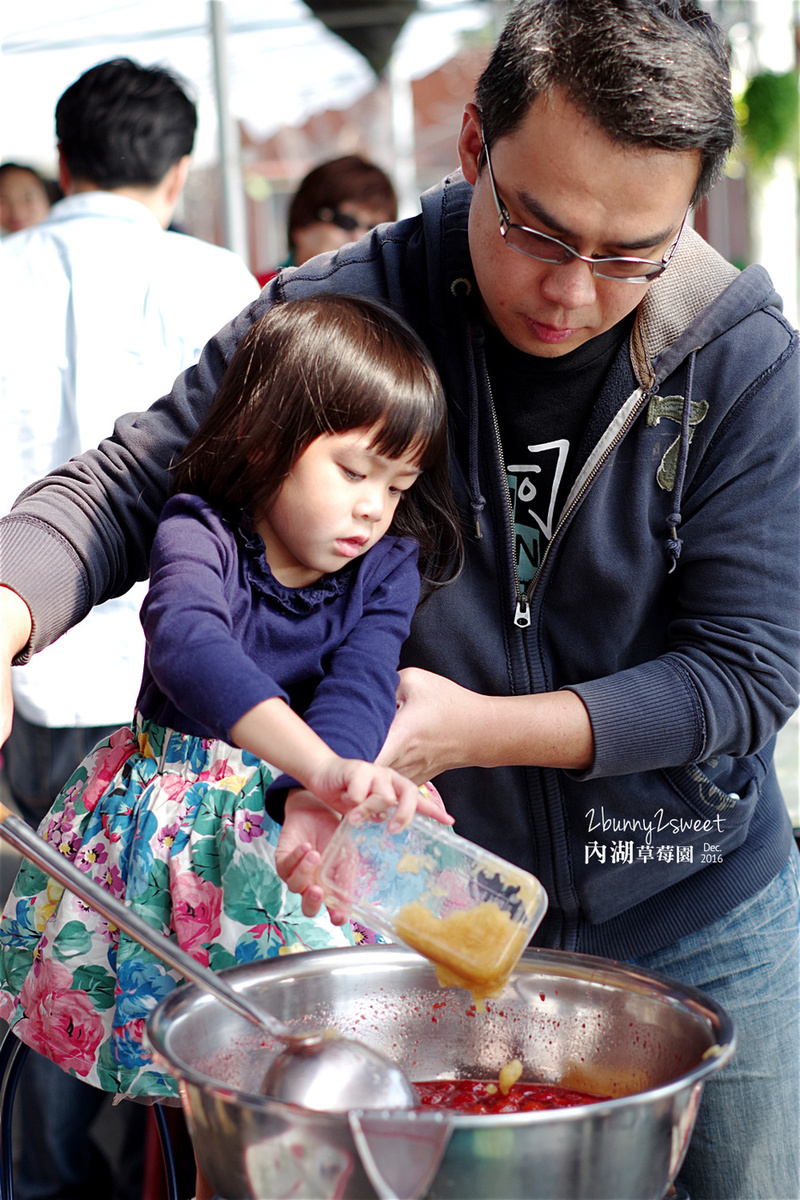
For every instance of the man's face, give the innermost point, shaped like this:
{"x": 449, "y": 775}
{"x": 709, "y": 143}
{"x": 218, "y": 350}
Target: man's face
{"x": 559, "y": 174}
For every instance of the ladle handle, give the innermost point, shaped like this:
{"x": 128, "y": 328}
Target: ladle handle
{"x": 19, "y": 835}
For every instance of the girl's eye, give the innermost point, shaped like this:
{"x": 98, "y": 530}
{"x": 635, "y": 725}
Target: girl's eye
{"x": 348, "y": 474}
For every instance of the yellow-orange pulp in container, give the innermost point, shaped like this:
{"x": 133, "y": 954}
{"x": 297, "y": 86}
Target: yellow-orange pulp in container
{"x": 463, "y": 946}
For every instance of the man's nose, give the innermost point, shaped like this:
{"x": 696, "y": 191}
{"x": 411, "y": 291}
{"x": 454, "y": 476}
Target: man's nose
{"x": 571, "y": 284}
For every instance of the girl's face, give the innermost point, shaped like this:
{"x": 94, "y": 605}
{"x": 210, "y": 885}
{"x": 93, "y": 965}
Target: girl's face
{"x": 338, "y": 500}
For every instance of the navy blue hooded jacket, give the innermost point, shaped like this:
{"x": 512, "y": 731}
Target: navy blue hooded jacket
{"x": 668, "y": 598}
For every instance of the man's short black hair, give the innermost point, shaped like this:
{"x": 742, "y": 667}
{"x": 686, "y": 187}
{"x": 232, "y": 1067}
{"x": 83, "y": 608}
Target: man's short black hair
{"x": 123, "y": 124}
{"x": 649, "y": 73}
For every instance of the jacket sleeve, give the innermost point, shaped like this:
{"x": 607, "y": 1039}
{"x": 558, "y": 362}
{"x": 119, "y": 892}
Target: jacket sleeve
{"x": 83, "y": 533}
{"x": 729, "y": 677}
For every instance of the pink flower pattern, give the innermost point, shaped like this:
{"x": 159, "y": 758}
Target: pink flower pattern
{"x": 196, "y": 910}
{"x": 59, "y": 1020}
{"x": 104, "y": 762}
{"x": 204, "y": 838}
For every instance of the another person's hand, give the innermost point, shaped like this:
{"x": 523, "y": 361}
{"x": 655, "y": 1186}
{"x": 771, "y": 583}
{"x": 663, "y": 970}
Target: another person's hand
{"x": 15, "y": 631}
{"x": 308, "y": 826}
{"x": 440, "y": 726}
{"x": 435, "y": 728}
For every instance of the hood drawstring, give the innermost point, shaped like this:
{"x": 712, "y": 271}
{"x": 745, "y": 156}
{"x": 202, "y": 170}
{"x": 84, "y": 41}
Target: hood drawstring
{"x": 461, "y": 289}
{"x": 674, "y": 543}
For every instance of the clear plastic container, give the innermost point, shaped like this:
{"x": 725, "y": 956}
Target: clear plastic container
{"x": 467, "y": 910}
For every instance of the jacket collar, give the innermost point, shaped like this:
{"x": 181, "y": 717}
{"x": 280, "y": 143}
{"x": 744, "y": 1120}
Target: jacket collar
{"x": 696, "y": 275}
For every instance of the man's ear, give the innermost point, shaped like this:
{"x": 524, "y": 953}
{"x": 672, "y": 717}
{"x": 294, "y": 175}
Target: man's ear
{"x": 175, "y": 180}
{"x": 64, "y": 176}
{"x": 470, "y": 143}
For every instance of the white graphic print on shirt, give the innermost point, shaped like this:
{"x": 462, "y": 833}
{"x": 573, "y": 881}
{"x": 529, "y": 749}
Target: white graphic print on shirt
{"x": 534, "y": 488}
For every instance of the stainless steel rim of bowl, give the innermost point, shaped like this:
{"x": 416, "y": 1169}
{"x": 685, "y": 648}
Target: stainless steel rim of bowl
{"x": 598, "y": 969}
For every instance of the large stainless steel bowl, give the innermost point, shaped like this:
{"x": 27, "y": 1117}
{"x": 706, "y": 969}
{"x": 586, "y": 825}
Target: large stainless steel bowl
{"x": 587, "y": 1023}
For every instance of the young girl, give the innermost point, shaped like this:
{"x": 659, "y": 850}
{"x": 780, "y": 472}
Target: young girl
{"x": 283, "y": 580}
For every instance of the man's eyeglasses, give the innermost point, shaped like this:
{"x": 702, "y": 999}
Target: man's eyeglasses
{"x": 342, "y": 220}
{"x": 545, "y": 248}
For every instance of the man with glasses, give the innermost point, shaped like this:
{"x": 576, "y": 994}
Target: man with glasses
{"x": 597, "y": 695}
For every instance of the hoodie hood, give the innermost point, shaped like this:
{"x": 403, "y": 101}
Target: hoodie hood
{"x": 689, "y": 306}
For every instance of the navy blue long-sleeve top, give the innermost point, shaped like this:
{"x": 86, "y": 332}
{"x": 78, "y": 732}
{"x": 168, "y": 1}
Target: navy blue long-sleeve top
{"x": 223, "y": 634}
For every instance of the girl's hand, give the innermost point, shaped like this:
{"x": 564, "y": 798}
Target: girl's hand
{"x": 366, "y": 791}
{"x": 309, "y": 824}
{"x": 273, "y": 732}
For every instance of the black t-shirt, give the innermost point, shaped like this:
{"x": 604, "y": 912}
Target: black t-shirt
{"x": 543, "y": 406}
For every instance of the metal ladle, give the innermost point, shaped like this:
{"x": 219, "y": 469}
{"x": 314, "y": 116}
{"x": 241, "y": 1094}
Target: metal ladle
{"x": 321, "y": 1071}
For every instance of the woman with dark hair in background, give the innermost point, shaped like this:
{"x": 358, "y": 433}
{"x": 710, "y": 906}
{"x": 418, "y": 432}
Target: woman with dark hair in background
{"x": 25, "y": 197}
{"x": 336, "y": 203}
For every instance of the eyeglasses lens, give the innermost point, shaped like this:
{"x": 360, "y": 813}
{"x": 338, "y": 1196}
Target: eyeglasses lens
{"x": 346, "y": 222}
{"x": 341, "y": 220}
{"x": 538, "y": 246}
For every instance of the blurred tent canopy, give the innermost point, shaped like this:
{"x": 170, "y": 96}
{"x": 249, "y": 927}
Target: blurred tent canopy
{"x": 370, "y": 26}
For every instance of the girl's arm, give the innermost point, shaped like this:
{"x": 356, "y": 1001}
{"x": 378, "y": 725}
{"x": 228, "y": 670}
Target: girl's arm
{"x": 273, "y": 732}
{"x": 198, "y": 670}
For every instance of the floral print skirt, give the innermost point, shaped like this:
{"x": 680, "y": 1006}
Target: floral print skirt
{"x": 175, "y": 826}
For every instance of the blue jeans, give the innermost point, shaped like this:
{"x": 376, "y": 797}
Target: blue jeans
{"x": 746, "y": 1144}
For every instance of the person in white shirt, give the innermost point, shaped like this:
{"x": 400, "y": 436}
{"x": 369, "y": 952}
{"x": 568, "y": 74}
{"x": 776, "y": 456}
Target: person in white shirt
{"x": 101, "y": 307}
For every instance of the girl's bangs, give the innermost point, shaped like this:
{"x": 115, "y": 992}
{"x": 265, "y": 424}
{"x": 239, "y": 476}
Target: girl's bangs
{"x": 409, "y": 425}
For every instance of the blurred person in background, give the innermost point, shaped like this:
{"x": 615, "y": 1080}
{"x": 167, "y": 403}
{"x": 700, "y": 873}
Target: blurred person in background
{"x": 101, "y": 308}
{"x": 336, "y": 203}
{"x": 25, "y": 197}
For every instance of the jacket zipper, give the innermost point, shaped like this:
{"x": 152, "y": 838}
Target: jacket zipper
{"x": 522, "y": 613}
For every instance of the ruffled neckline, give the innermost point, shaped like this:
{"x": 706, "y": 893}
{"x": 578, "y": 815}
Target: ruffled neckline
{"x": 294, "y": 600}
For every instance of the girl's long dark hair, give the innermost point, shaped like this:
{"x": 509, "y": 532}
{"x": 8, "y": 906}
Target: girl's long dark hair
{"x": 328, "y": 364}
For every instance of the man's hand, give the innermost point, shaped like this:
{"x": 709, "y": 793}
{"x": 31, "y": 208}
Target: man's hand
{"x": 309, "y": 823}
{"x": 15, "y": 631}
{"x": 440, "y": 726}
{"x": 436, "y": 726}
{"x": 308, "y": 826}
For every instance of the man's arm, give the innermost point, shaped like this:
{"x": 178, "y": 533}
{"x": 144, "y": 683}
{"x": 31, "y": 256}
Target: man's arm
{"x": 15, "y": 632}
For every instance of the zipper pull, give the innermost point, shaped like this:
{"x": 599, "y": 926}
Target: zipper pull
{"x": 522, "y": 617}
